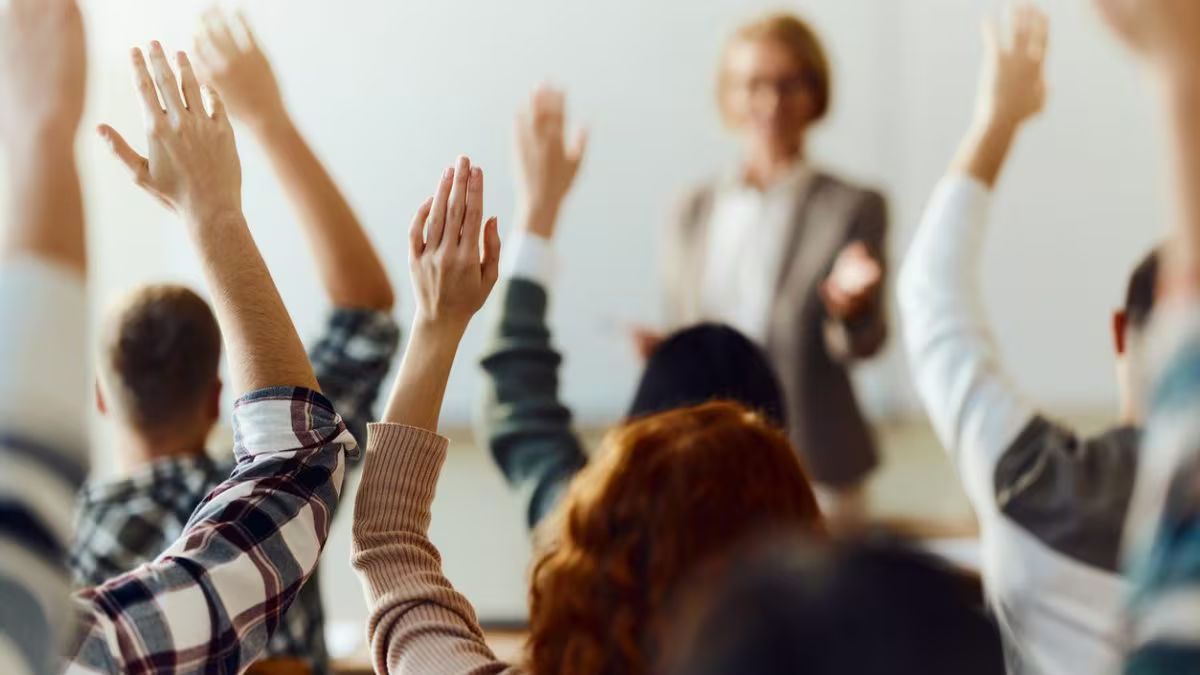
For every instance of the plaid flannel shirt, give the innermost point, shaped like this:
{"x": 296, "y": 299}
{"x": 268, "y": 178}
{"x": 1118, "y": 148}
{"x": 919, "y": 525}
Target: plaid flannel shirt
{"x": 43, "y": 456}
{"x": 211, "y": 601}
{"x": 125, "y": 523}
{"x": 1165, "y": 526}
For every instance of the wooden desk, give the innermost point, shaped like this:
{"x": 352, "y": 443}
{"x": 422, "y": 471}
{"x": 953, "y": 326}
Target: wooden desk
{"x": 507, "y": 645}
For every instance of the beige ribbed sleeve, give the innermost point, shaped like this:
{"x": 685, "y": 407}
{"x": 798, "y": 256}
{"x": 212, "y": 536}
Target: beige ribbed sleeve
{"x": 419, "y": 624}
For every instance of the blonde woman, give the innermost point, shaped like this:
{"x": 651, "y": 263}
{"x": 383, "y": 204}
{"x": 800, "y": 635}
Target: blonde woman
{"x": 789, "y": 255}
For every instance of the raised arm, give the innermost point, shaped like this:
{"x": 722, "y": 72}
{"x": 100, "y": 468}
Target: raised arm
{"x": 355, "y": 350}
{"x": 418, "y": 622}
{"x": 975, "y": 408}
{"x": 1164, "y": 521}
{"x": 43, "y": 350}
{"x": 228, "y": 56}
{"x": 527, "y": 427}
{"x": 213, "y": 598}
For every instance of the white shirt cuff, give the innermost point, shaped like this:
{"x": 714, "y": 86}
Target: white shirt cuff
{"x": 44, "y": 373}
{"x": 530, "y": 257}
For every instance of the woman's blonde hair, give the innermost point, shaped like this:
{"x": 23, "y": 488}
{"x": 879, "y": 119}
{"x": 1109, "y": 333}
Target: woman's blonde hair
{"x": 665, "y": 495}
{"x": 799, "y": 38}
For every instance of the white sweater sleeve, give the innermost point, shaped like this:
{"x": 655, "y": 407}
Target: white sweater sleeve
{"x": 44, "y": 382}
{"x": 969, "y": 397}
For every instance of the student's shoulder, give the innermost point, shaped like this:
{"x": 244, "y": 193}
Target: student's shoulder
{"x": 1069, "y": 491}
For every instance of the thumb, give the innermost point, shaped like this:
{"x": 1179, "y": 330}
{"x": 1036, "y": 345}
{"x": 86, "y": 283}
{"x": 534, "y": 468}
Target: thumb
{"x": 139, "y": 166}
{"x": 578, "y": 147}
{"x": 491, "y": 253}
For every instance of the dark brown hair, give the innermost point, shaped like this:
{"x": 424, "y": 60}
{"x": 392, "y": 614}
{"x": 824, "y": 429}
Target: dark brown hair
{"x": 161, "y": 352}
{"x": 1142, "y": 291}
{"x": 664, "y": 495}
{"x": 799, "y": 38}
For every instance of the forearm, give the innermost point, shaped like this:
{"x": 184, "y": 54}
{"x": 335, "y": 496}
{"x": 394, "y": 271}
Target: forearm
{"x": 264, "y": 350}
{"x": 353, "y": 275}
{"x": 984, "y": 151}
{"x": 420, "y": 388}
{"x": 47, "y": 203}
{"x": 1183, "y": 260}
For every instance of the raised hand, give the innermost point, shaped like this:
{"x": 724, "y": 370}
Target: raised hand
{"x": 193, "y": 166}
{"x": 43, "y": 71}
{"x": 1013, "y": 86}
{"x": 546, "y": 166}
{"x": 451, "y": 277}
{"x": 1166, "y": 33}
{"x": 853, "y": 283}
{"x": 229, "y": 58}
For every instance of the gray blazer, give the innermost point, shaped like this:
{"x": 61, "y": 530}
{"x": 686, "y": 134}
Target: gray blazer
{"x": 810, "y": 350}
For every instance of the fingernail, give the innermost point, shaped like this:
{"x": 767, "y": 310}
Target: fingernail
{"x": 449, "y": 173}
{"x": 476, "y": 174}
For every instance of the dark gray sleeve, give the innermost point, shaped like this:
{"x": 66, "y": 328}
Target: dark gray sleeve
{"x": 1071, "y": 494}
{"x": 863, "y": 336}
{"x": 526, "y": 426}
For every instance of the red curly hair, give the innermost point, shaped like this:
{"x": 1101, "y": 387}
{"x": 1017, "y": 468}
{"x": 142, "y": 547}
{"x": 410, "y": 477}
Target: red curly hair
{"x": 664, "y": 495}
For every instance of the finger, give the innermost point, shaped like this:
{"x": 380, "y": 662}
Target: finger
{"x": 164, "y": 77}
{"x": 457, "y": 208}
{"x": 541, "y": 108}
{"x": 251, "y": 40}
{"x": 219, "y": 33}
{"x": 558, "y": 110}
{"x": 491, "y": 252}
{"x": 151, "y": 107}
{"x": 192, "y": 98}
{"x": 1020, "y": 24}
{"x": 137, "y": 165}
{"x": 578, "y": 147}
{"x": 416, "y": 232}
{"x": 216, "y": 105}
{"x": 473, "y": 217}
{"x": 207, "y": 56}
{"x": 1039, "y": 36}
{"x": 437, "y": 217}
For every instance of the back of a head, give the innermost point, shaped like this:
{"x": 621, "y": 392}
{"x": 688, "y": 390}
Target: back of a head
{"x": 663, "y": 495}
{"x": 845, "y": 609}
{"x": 160, "y": 357}
{"x": 705, "y": 363}
{"x": 1141, "y": 292}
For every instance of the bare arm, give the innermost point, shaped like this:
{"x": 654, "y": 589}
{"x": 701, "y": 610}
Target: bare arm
{"x": 230, "y": 58}
{"x": 39, "y": 121}
{"x": 452, "y": 280}
{"x": 43, "y": 371}
{"x": 194, "y": 169}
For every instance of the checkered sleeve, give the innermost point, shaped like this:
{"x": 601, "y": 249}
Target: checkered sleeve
{"x": 1164, "y": 525}
{"x": 212, "y": 600}
{"x": 351, "y": 359}
{"x": 43, "y": 456}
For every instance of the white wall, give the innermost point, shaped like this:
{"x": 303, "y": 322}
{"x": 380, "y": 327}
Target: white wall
{"x": 391, "y": 92}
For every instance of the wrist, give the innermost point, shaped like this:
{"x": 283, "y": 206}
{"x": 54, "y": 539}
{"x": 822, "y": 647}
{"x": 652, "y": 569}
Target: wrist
{"x": 996, "y": 125}
{"x": 50, "y": 143}
{"x": 272, "y": 127}
{"x": 433, "y": 337}
{"x": 214, "y": 219}
{"x": 538, "y": 217}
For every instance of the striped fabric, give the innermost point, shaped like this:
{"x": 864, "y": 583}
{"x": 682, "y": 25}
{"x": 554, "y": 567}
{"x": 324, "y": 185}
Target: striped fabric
{"x": 213, "y": 599}
{"x": 1165, "y": 526}
{"x": 43, "y": 456}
